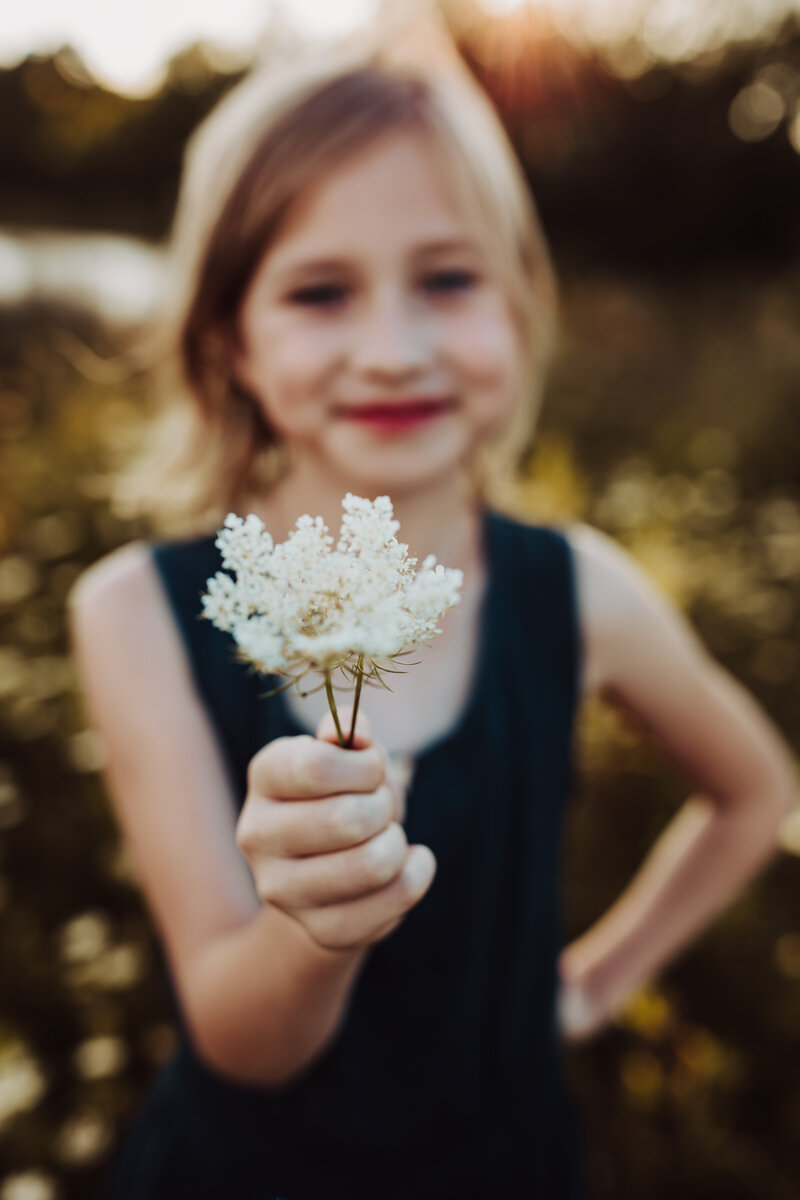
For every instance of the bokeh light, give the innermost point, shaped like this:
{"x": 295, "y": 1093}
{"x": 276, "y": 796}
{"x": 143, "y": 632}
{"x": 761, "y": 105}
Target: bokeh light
{"x": 30, "y": 1185}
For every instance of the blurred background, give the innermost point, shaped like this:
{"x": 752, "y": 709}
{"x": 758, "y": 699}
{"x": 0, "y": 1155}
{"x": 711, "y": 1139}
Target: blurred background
{"x": 662, "y": 141}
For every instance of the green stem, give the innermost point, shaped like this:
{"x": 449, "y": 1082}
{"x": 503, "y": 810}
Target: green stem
{"x": 332, "y": 706}
{"x": 356, "y": 698}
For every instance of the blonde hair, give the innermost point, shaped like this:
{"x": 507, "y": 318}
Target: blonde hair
{"x": 275, "y": 134}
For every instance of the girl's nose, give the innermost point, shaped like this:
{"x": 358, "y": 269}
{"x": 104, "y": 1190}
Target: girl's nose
{"x": 392, "y": 339}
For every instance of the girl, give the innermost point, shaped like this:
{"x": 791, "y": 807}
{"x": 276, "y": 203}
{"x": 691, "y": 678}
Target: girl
{"x": 366, "y": 960}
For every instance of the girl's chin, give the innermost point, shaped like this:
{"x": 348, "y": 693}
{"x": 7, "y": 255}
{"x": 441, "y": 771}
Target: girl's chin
{"x": 404, "y": 461}
{"x": 382, "y": 474}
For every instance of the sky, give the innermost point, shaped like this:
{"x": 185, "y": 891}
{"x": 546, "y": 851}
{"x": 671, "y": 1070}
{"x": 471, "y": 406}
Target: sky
{"x": 126, "y": 46}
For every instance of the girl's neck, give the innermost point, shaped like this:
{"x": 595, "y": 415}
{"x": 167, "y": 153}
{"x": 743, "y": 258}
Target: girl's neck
{"x": 442, "y": 518}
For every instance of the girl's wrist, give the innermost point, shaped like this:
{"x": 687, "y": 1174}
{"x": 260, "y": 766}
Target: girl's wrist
{"x": 582, "y": 1003}
{"x": 576, "y": 1013}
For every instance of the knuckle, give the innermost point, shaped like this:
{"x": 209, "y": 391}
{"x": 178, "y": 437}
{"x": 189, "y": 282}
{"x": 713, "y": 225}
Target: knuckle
{"x": 267, "y": 884}
{"x": 255, "y": 773}
{"x": 353, "y": 819}
{"x": 311, "y": 766}
{"x": 244, "y": 834}
{"x": 361, "y": 816}
{"x": 384, "y": 854}
{"x": 261, "y": 768}
{"x": 255, "y": 829}
{"x": 374, "y": 767}
{"x": 385, "y": 806}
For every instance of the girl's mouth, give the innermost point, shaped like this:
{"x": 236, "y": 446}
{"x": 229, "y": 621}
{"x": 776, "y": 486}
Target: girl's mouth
{"x": 393, "y": 416}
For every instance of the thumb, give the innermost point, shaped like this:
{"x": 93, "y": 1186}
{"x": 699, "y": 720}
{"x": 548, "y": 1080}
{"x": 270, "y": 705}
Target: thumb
{"x": 326, "y": 730}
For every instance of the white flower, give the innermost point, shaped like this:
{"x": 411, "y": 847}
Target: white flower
{"x": 305, "y": 605}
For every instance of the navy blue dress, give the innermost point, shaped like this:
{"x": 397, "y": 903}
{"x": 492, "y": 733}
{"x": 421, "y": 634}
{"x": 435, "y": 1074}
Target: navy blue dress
{"x": 444, "y": 1081}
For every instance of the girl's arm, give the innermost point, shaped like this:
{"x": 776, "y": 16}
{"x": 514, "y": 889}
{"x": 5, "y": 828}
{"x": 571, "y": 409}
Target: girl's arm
{"x": 642, "y": 655}
{"x": 261, "y": 998}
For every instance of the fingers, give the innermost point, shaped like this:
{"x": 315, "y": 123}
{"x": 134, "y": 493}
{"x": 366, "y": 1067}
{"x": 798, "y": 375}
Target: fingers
{"x": 303, "y": 767}
{"x": 336, "y": 858}
{"x": 332, "y": 878}
{"x": 319, "y": 826}
{"x": 369, "y": 918}
{"x": 398, "y": 768}
{"x": 399, "y": 772}
{"x": 297, "y": 884}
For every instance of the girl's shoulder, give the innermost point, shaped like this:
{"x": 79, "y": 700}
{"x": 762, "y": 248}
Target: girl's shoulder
{"x": 624, "y": 616}
{"x": 119, "y": 624}
{"x": 631, "y": 628}
{"x": 121, "y": 576}
{"x": 112, "y": 578}
{"x": 121, "y": 600}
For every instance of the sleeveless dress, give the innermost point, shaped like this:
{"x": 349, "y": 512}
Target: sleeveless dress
{"x": 444, "y": 1081}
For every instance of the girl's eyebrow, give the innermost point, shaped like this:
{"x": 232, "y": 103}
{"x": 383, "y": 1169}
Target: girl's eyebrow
{"x": 313, "y": 266}
{"x": 443, "y": 245}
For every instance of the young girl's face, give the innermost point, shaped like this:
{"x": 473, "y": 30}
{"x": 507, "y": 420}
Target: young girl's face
{"x": 375, "y": 334}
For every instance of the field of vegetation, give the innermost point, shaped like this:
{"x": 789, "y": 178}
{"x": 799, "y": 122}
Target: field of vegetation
{"x": 670, "y": 421}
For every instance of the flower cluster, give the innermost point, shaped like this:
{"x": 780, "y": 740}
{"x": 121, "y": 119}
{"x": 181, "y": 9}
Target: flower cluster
{"x": 305, "y": 605}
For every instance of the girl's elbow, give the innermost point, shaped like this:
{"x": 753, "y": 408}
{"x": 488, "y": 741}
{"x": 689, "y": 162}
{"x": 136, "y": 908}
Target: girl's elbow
{"x": 206, "y": 1038}
{"x": 773, "y": 805}
{"x": 782, "y": 789}
{"x": 761, "y": 808}
{"x": 222, "y": 1055}
{"x": 233, "y": 1054}
{"x": 213, "y": 1052}
{"x": 207, "y": 1030}
{"x": 773, "y": 790}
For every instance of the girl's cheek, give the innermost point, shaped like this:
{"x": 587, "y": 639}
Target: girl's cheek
{"x": 307, "y": 351}
{"x": 295, "y": 357}
{"x": 486, "y": 347}
{"x": 492, "y": 366}
{"x": 285, "y": 407}
{"x": 294, "y": 384}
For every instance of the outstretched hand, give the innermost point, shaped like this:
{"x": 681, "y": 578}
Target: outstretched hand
{"x": 321, "y": 830}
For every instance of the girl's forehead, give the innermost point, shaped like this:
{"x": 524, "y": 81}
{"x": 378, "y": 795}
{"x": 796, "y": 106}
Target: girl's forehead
{"x": 393, "y": 192}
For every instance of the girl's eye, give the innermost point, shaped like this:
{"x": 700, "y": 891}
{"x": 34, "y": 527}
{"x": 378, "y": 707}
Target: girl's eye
{"x": 320, "y": 295}
{"x": 450, "y": 281}
{"x": 330, "y": 295}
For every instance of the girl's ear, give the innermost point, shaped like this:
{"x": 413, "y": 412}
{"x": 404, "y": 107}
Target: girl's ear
{"x": 225, "y": 348}
{"x": 240, "y": 368}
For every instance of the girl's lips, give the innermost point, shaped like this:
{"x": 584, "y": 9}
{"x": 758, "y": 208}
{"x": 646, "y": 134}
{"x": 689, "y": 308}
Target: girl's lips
{"x": 390, "y": 416}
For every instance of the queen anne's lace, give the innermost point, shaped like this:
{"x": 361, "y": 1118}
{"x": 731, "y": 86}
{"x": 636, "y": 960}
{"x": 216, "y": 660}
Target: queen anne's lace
{"x": 305, "y": 605}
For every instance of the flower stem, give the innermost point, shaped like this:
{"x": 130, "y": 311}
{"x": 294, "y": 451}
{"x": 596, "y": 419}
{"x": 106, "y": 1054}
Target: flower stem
{"x": 356, "y": 698}
{"x": 332, "y": 707}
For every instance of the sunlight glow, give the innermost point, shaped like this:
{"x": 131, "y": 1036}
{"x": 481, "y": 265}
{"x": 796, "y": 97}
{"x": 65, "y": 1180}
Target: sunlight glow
{"x": 128, "y": 48}
{"x": 125, "y": 47}
{"x": 322, "y": 18}
{"x": 667, "y": 29}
